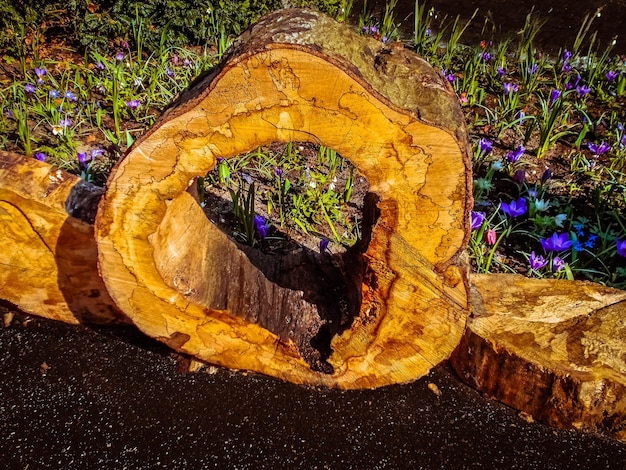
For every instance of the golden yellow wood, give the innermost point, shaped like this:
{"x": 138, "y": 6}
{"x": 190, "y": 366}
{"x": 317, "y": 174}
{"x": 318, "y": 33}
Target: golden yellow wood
{"x": 554, "y": 349}
{"x": 299, "y": 76}
{"x": 47, "y": 257}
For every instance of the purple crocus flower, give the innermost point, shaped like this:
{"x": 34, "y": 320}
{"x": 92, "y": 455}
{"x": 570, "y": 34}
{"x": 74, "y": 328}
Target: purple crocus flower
{"x": 558, "y": 264}
{"x": 598, "y": 149}
{"x": 621, "y": 247}
{"x": 323, "y": 245}
{"x": 510, "y": 88}
{"x": 119, "y": 56}
{"x": 515, "y": 208}
{"x": 611, "y": 75}
{"x": 476, "y": 219}
{"x": 519, "y": 176}
{"x": 261, "y": 226}
{"x": 278, "y": 171}
{"x": 536, "y": 262}
{"x": 170, "y": 73}
{"x": 70, "y": 96}
{"x": 448, "y": 75}
{"x": 566, "y": 55}
{"x": 500, "y": 72}
{"x": 54, "y": 94}
{"x": 516, "y": 154}
{"x": 573, "y": 83}
{"x": 556, "y": 242}
{"x": 40, "y": 72}
{"x": 29, "y": 88}
{"x": 554, "y": 95}
{"x": 65, "y": 122}
{"x": 485, "y": 146}
{"x": 486, "y": 56}
{"x": 547, "y": 174}
{"x": 532, "y": 69}
{"x": 582, "y": 90}
{"x": 39, "y": 156}
{"x": 100, "y": 66}
{"x": 133, "y": 104}
{"x": 83, "y": 159}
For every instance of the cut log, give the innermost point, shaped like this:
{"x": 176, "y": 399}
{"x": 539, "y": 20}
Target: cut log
{"x": 48, "y": 257}
{"x": 300, "y": 76}
{"x": 553, "y": 349}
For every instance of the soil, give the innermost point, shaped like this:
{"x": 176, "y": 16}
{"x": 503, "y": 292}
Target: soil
{"x": 85, "y": 397}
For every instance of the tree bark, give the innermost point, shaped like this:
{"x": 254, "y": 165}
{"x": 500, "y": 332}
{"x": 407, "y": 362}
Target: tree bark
{"x": 48, "y": 256}
{"x": 553, "y": 349}
{"x": 300, "y": 76}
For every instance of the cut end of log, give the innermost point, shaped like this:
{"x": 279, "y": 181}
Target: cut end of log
{"x": 385, "y": 316}
{"x": 553, "y": 349}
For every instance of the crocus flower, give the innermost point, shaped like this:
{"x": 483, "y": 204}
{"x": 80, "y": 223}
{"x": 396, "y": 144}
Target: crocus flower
{"x": 621, "y": 247}
{"x": 510, "y": 88}
{"x": 519, "y": 176}
{"x": 323, "y": 245}
{"x": 29, "y": 88}
{"x": 515, "y": 208}
{"x": 491, "y": 236}
{"x": 133, "y": 104}
{"x": 83, "y": 159}
{"x": 516, "y": 154}
{"x": 261, "y": 226}
{"x": 54, "y": 94}
{"x": 611, "y": 75}
{"x": 598, "y": 149}
{"x": 582, "y": 90}
{"x": 476, "y": 219}
{"x": 278, "y": 171}
{"x": 500, "y": 72}
{"x": 566, "y": 55}
{"x": 485, "y": 146}
{"x": 70, "y": 96}
{"x": 573, "y": 83}
{"x": 448, "y": 75}
{"x": 536, "y": 262}
{"x": 556, "y": 242}
{"x": 547, "y": 174}
{"x": 119, "y": 56}
{"x": 100, "y": 66}
{"x": 39, "y": 156}
{"x": 554, "y": 95}
{"x": 486, "y": 56}
{"x": 532, "y": 69}
{"x": 170, "y": 73}
{"x": 40, "y": 72}
{"x": 558, "y": 264}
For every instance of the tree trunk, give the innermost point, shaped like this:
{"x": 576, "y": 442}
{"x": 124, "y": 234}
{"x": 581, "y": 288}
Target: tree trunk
{"x": 48, "y": 253}
{"x": 385, "y": 312}
{"x": 553, "y": 349}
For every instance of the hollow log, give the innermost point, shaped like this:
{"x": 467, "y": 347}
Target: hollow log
{"x": 387, "y": 310}
{"x": 553, "y": 349}
{"x": 48, "y": 255}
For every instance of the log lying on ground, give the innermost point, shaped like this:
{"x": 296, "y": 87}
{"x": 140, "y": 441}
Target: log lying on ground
{"x": 48, "y": 256}
{"x": 553, "y": 349}
{"x": 300, "y": 76}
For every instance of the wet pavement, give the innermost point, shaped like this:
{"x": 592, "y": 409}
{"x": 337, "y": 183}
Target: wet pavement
{"x": 77, "y": 397}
